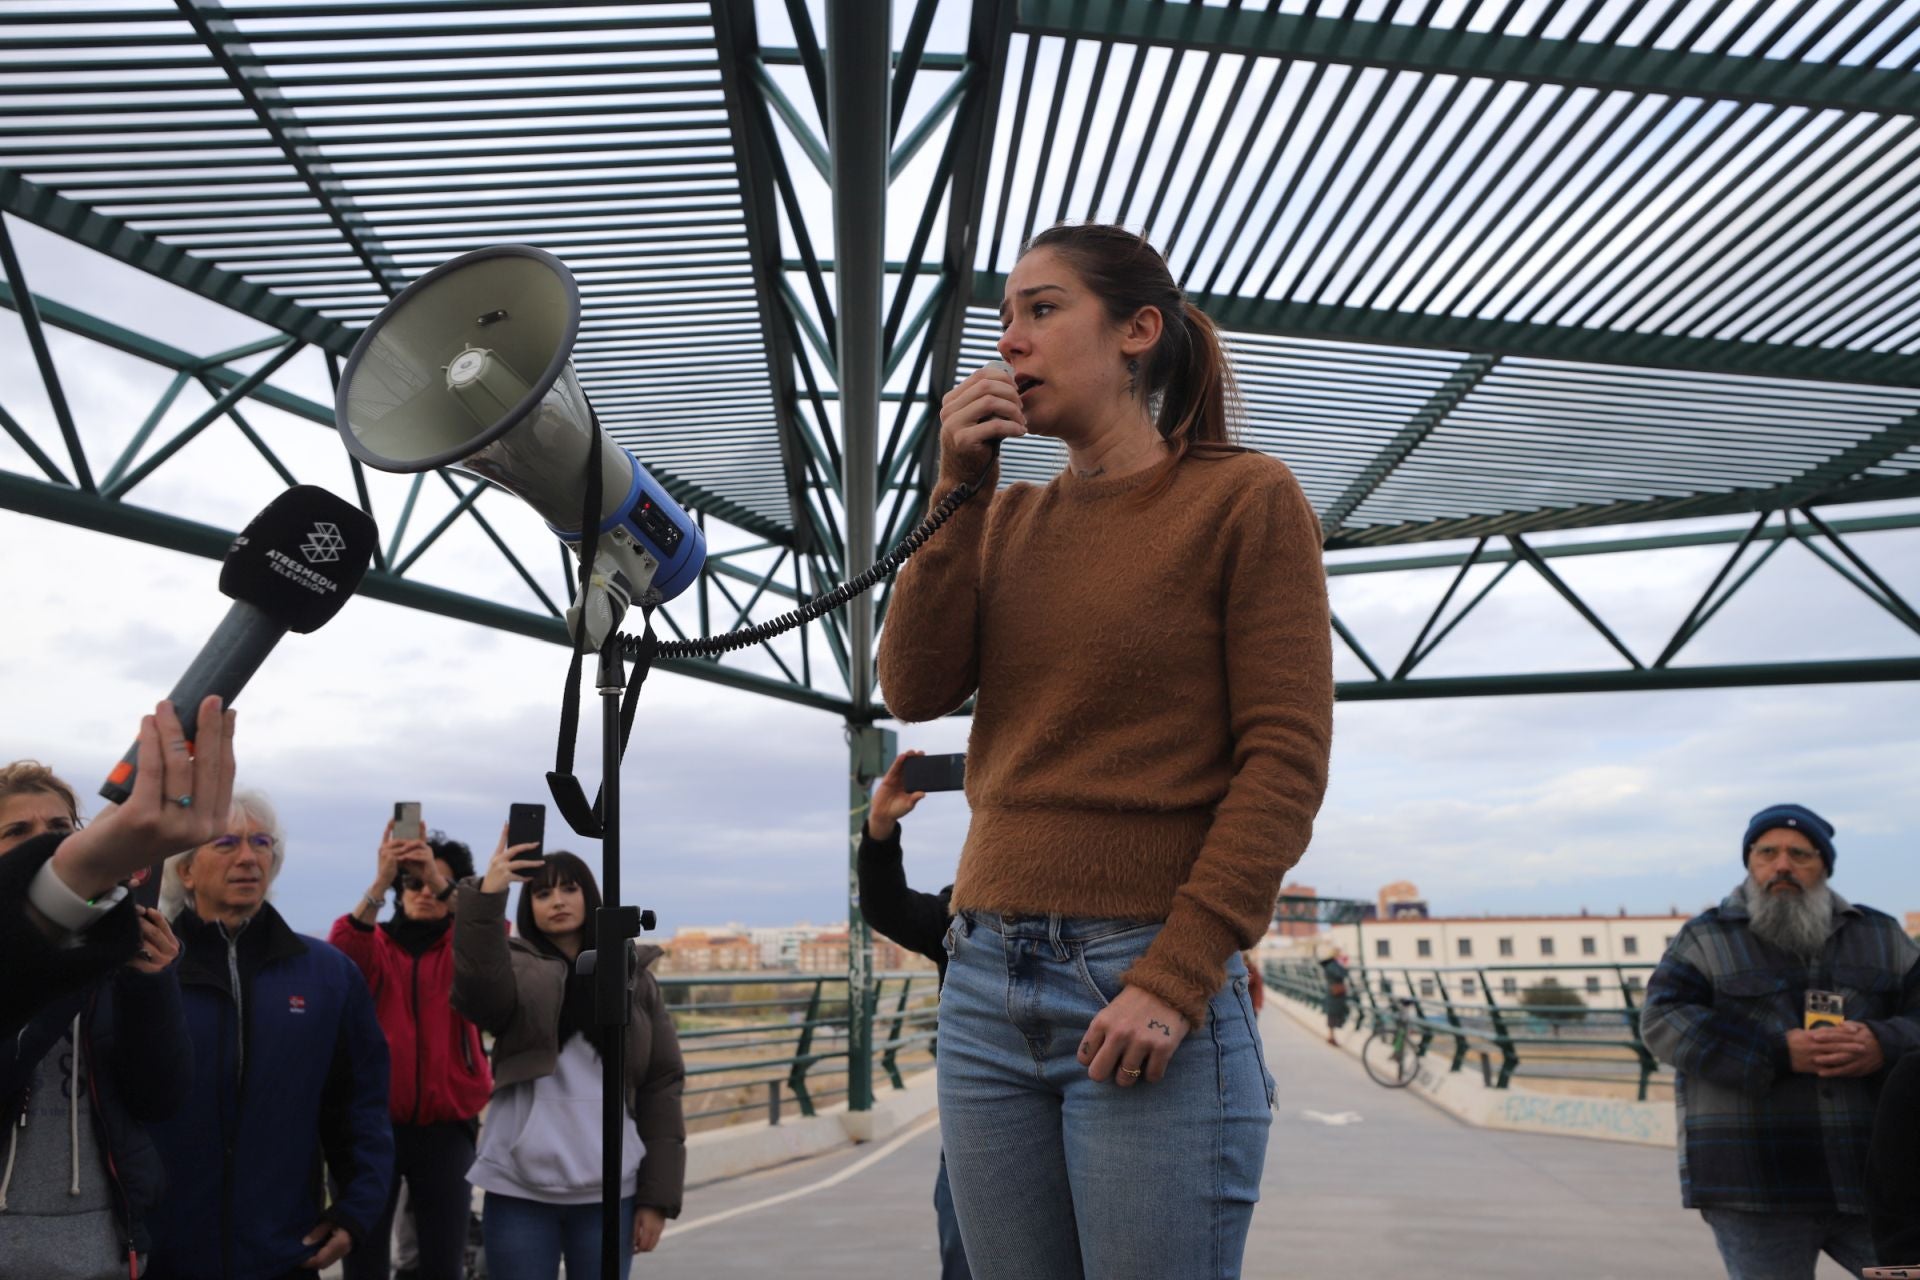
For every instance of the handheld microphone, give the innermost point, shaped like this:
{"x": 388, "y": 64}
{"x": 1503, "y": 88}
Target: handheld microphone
{"x": 993, "y": 445}
{"x": 291, "y": 569}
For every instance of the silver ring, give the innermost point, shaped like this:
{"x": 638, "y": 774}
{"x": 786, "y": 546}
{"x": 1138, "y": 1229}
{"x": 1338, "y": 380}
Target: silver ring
{"x": 185, "y": 802}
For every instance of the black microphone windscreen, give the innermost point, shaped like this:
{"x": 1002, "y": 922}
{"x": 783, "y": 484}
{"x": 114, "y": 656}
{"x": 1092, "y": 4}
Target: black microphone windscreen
{"x": 300, "y": 558}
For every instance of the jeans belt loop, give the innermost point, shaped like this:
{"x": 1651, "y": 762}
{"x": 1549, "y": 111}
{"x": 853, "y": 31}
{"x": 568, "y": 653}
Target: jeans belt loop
{"x": 1053, "y": 935}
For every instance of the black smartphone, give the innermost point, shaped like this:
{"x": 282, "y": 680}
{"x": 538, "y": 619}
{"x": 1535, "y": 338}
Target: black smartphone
{"x": 527, "y": 824}
{"x": 406, "y": 820}
{"x": 935, "y": 773}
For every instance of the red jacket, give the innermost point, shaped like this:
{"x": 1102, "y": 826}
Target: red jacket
{"x": 440, "y": 1072}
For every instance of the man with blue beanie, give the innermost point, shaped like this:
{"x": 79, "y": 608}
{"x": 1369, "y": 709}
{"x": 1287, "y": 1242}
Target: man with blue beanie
{"x": 1782, "y": 1011}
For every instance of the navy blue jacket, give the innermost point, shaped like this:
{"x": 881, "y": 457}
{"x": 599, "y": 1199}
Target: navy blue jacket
{"x": 139, "y": 1065}
{"x": 289, "y": 1076}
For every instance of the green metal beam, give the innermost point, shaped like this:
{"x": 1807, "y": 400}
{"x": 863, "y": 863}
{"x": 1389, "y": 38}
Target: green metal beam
{"x": 737, "y": 31}
{"x": 1443, "y": 51}
{"x": 1470, "y": 335}
{"x": 70, "y": 506}
{"x": 36, "y": 204}
{"x": 1652, "y": 680}
{"x": 136, "y": 344}
{"x": 859, "y": 83}
{"x": 1472, "y": 371}
{"x": 1657, "y": 542}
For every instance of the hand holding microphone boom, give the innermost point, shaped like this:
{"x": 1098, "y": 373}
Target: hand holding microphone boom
{"x": 291, "y": 569}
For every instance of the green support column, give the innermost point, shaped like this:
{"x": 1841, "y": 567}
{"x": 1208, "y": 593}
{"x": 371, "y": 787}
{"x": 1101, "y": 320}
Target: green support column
{"x": 870, "y": 750}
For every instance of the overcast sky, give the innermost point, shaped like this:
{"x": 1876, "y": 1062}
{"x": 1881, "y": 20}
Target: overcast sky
{"x": 736, "y": 804}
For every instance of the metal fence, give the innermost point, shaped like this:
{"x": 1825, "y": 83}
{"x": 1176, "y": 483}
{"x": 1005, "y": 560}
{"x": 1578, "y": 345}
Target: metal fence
{"x": 764, "y": 1041}
{"x": 1540, "y": 1032}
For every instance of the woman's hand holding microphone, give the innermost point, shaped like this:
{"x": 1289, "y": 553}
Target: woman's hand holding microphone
{"x": 979, "y": 413}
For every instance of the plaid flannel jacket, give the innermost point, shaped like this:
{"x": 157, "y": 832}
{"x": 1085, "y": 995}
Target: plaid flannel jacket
{"x": 1755, "y": 1135}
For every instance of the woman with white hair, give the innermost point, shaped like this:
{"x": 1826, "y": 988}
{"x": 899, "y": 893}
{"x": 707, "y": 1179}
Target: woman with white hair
{"x": 290, "y": 1070}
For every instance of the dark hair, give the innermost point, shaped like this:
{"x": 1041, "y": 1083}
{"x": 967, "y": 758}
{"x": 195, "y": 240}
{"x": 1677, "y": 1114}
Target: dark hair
{"x": 456, "y": 855}
{"x": 576, "y": 1003}
{"x": 562, "y": 868}
{"x": 1186, "y": 373}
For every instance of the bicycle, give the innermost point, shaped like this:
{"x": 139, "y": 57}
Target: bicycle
{"x": 1389, "y": 1054}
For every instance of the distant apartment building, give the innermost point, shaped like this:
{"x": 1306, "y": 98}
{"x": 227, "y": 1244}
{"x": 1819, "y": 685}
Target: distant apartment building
{"x": 827, "y": 953}
{"x": 1297, "y": 923}
{"x": 701, "y": 952}
{"x": 1428, "y": 955}
{"x": 1913, "y": 924}
{"x": 779, "y": 946}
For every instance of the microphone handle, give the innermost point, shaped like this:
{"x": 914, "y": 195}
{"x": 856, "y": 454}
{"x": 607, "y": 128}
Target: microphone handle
{"x": 225, "y": 663}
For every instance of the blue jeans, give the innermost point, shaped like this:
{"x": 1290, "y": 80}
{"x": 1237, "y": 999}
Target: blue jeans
{"x": 1057, "y": 1177}
{"x": 953, "y": 1252}
{"x": 525, "y": 1239}
{"x": 1785, "y": 1246}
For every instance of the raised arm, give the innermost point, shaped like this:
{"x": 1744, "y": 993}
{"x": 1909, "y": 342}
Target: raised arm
{"x": 483, "y": 984}
{"x": 929, "y": 649}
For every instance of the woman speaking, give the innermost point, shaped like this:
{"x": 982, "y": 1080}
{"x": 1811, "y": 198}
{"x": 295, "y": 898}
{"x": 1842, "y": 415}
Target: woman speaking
{"x": 1147, "y": 641}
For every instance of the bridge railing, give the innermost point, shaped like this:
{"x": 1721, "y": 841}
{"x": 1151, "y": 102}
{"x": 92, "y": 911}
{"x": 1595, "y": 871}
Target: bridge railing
{"x": 759, "y": 1042}
{"x": 1514, "y": 1019}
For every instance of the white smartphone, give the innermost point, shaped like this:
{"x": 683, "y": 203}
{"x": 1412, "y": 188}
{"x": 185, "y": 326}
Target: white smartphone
{"x": 406, "y": 820}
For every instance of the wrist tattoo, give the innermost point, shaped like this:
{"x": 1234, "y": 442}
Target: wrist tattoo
{"x": 1156, "y": 1024}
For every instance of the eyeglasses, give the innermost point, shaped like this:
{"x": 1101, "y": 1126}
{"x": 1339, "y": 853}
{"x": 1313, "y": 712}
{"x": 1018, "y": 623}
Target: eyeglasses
{"x": 259, "y": 840}
{"x": 1795, "y": 854}
{"x": 411, "y": 884}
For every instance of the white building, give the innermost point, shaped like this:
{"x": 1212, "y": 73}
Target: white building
{"x": 1510, "y": 952}
{"x": 780, "y": 944}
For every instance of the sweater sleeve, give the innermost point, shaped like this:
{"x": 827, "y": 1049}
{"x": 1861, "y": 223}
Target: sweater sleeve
{"x": 929, "y": 656}
{"x": 1278, "y": 643}
{"x": 484, "y": 991}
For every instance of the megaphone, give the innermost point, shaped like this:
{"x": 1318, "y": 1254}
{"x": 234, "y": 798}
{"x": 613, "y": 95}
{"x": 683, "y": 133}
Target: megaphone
{"x": 471, "y": 367}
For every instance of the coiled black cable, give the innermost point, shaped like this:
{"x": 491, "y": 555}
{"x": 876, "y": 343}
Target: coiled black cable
{"x": 882, "y": 569}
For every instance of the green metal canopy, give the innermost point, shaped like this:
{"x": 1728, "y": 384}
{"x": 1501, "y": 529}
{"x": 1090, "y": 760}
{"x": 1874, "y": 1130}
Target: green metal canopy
{"x": 1488, "y": 270}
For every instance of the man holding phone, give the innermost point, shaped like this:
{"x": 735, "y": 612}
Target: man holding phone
{"x": 1781, "y": 1010}
{"x": 441, "y": 1080}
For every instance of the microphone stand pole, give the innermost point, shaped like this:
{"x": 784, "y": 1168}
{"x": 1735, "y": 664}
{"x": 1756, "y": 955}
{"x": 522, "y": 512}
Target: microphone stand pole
{"x": 615, "y": 927}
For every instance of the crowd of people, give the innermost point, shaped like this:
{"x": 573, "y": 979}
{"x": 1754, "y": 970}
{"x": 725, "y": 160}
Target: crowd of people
{"x": 195, "y": 1091}
{"x": 1146, "y": 643}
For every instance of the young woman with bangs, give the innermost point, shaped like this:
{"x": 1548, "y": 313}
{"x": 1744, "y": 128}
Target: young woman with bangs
{"x": 539, "y": 1156}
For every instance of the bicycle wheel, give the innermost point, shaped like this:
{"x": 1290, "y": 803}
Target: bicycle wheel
{"x": 1389, "y": 1058}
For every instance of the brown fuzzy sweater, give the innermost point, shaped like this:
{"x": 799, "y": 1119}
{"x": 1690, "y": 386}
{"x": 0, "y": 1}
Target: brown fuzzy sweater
{"x": 1155, "y": 699}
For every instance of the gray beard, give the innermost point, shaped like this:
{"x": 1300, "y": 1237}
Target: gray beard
{"x": 1797, "y": 923}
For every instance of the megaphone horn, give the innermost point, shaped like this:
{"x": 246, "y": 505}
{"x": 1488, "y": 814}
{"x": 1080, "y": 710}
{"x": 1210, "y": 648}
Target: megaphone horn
{"x": 471, "y": 367}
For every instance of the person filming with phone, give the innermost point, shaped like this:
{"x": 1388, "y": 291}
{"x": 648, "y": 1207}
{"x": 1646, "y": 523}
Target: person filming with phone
{"x": 539, "y": 1160}
{"x": 1147, "y": 642}
{"x": 440, "y": 1078}
{"x": 915, "y": 920}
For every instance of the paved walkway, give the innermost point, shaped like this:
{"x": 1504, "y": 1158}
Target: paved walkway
{"x": 1406, "y": 1191}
